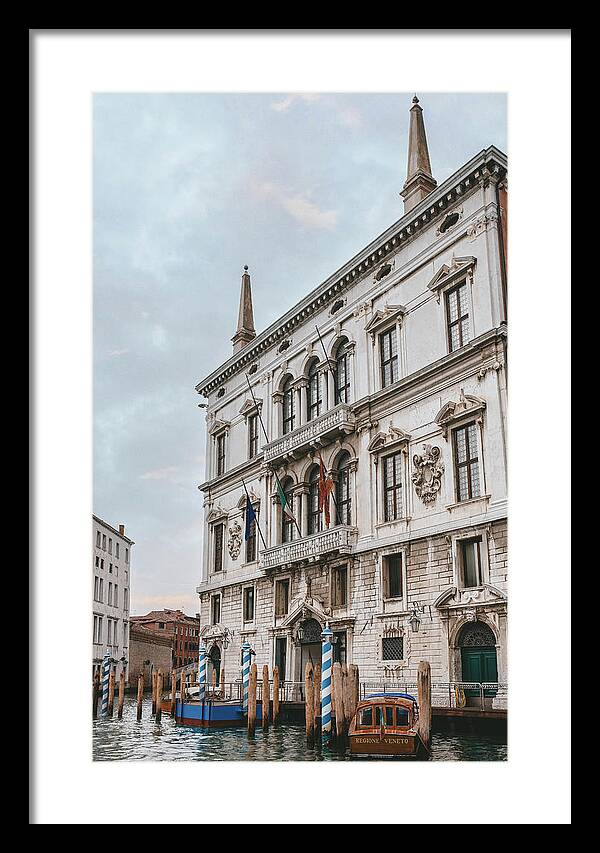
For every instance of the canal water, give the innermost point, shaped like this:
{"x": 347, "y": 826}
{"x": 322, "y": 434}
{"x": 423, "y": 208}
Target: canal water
{"x": 130, "y": 740}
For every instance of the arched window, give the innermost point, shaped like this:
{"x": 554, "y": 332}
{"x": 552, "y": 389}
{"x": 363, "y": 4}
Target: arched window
{"x": 289, "y": 414}
{"x": 287, "y": 525}
{"x": 343, "y": 497}
{"x": 341, "y": 376}
{"x": 314, "y": 515}
{"x": 314, "y": 391}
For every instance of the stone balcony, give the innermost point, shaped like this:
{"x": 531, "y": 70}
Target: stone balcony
{"x": 336, "y": 540}
{"x": 327, "y": 427}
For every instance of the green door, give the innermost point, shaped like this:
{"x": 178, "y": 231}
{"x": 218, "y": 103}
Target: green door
{"x": 479, "y": 665}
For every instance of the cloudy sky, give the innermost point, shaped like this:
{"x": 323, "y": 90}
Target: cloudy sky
{"x": 187, "y": 189}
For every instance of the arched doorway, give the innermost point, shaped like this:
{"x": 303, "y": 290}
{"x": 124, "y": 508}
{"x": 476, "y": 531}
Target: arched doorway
{"x": 310, "y": 644}
{"x": 479, "y": 661}
{"x": 214, "y": 664}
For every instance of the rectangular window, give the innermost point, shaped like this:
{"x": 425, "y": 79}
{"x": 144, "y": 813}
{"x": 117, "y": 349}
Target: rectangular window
{"x": 97, "y": 629}
{"x": 389, "y": 358}
{"x": 252, "y": 436}
{"x": 103, "y": 542}
{"x": 280, "y": 656}
{"x": 282, "y": 596}
{"x": 392, "y": 487}
{"x": 470, "y": 561}
{"x": 392, "y": 576}
{"x": 339, "y": 590}
{"x": 251, "y": 543}
{"x": 220, "y": 454}
{"x": 126, "y": 555}
{"x": 125, "y": 599}
{"x": 117, "y": 550}
{"x": 339, "y": 647}
{"x": 218, "y": 532}
{"x": 109, "y": 632}
{"x": 466, "y": 463}
{"x": 97, "y": 539}
{"x": 110, "y": 568}
{"x": 110, "y": 546}
{"x": 249, "y": 604}
{"x": 97, "y": 562}
{"x": 102, "y": 564}
{"x": 215, "y": 609}
{"x": 101, "y": 591}
{"x": 96, "y": 587}
{"x": 457, "y": 317}
{"x": 116, "y": 596}
{"x": 392, "y": 648}
{"x": 109, "y": 601}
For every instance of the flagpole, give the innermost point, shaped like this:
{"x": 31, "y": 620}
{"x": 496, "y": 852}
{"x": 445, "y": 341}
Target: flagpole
{"x": 262, "y": 538}
{"x": 267, "y": 440}
{"x": 337, "y": 512}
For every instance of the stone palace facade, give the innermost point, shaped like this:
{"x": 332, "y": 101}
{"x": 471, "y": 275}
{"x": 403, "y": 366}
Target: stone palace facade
{"x": 406, "y": 405}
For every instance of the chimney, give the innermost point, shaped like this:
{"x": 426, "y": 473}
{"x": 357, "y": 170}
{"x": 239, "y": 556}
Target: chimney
{"x": 245, "y": 327}
{"x": 121, "y": 530}
{"x": 419, "y": 180}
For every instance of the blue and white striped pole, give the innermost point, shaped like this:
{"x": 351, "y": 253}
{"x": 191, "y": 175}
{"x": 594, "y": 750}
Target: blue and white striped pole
{"x": 326, "y": 673}
{"x": 105, "y": 678}
{"x": 246, "y": 657}
{"x": 201, "y": 671}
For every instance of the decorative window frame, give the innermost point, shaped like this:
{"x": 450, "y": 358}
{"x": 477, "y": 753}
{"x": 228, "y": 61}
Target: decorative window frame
{"x": 251, "y": 623}
{"x": 454, "y": 415}
{"x": 215, "y": 594}
{"x": 393, "y": 605}
{"x": 215, "y": 517}
{"x": 386, "y": 633}
{"x": 391, "y": 316}
{"x": 340, "y": 609}
{"x": 217, "y": 428}
{"x": 382, "y": 445}
{"x": 446, "y": 279}
{"x": 282, "y": 616}
{"x": 474, "y": 532}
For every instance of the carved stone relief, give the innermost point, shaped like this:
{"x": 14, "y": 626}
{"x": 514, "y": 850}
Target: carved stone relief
{"x": 235, "y": 540}
{"x": 427, "y": 474}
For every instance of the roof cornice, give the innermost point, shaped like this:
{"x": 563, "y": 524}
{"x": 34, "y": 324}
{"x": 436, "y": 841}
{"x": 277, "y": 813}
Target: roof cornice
{"x": 488, "y": 164}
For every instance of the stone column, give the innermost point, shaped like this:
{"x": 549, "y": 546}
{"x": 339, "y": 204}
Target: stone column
{"x": 301, "y": 499}
{"x": 277, "y": 398}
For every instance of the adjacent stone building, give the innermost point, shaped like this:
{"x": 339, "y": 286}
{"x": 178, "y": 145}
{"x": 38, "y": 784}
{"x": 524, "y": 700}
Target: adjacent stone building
{"x": 183, "y": 631}
{"x": 111, "y": 583}
{"x": 149, "y": 651}
{"x": 403, "y": 398}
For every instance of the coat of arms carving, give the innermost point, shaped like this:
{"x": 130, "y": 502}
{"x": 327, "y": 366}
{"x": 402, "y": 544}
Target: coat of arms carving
{"x": 235, "y": 540}
{"x": 427, "y": 474}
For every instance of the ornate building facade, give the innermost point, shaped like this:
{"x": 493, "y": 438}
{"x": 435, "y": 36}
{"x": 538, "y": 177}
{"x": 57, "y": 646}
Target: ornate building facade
{"x": 403, "y": 398}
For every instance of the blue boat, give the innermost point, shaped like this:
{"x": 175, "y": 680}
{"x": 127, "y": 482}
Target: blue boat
{"x": 213, "y": 713}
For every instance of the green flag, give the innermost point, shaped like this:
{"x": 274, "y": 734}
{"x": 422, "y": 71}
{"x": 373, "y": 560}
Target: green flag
{"x": 283, "y": 501}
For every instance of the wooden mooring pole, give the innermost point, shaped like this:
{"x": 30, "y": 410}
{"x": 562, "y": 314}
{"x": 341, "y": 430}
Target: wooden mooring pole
{"x": 95, "y": 694}
{"x": 266, "y": 699}
{"x": 338, "y": 693}
{"x": 111, "y": 693}
{"x": 121, "y": 695}
{"x": 222, "y": 682}
{"x": 309, "y": 702}
{"x": 275, "y": 696}
{"x": 173, "y": 692}
{"x": 154, "y": 674}
{"x": 159, "y": 682}
{"x": 424, "y": 699}
{"x": 252, "y": 700}
{"x": 140, "y": 695}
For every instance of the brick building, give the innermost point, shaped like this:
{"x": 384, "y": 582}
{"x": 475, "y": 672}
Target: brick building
{"x": 183, "y": 631}
{"x": 403, "y": 397}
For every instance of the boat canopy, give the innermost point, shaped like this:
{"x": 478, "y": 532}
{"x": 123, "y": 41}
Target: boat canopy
{"x": 390, "y": 696}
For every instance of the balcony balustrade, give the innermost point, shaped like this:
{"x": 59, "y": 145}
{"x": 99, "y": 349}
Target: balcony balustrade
{"x": 335, "y": 540}
{"x": 327, "y": 427}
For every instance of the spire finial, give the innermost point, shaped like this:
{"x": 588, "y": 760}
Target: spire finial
{"x": 419, "y": 180}
{"x": 245, "y": 328}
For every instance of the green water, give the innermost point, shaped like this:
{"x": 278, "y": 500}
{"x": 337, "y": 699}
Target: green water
{"x": 130, "y": 740}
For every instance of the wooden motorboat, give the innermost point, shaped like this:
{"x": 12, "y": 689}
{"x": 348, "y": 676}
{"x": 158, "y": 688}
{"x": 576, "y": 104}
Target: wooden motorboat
{"x": 386, "y": 724}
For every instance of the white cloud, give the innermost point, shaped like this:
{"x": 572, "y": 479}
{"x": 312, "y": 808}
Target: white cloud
{"x": 285, "y": 103}
{"x": 298, "y": 206}
{"x": 160, "y": 473}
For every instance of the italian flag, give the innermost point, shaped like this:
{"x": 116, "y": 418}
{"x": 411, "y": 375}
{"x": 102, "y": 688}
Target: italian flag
{"x": 283, "y": 501}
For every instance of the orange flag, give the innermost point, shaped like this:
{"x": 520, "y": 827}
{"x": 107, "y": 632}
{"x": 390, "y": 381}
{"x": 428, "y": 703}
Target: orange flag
{"x": 325, "y": 488}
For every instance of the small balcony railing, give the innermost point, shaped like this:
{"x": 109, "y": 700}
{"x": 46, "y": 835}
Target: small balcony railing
{"x": 335, "y": 540}
{"x": 337, "y": 421}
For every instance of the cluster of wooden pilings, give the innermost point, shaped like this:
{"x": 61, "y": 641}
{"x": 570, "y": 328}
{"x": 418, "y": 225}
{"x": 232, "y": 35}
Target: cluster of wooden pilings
{"x": 344, "y": 699}
{"x": 270, "y": 711}
{"x": 159, "y": 681}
